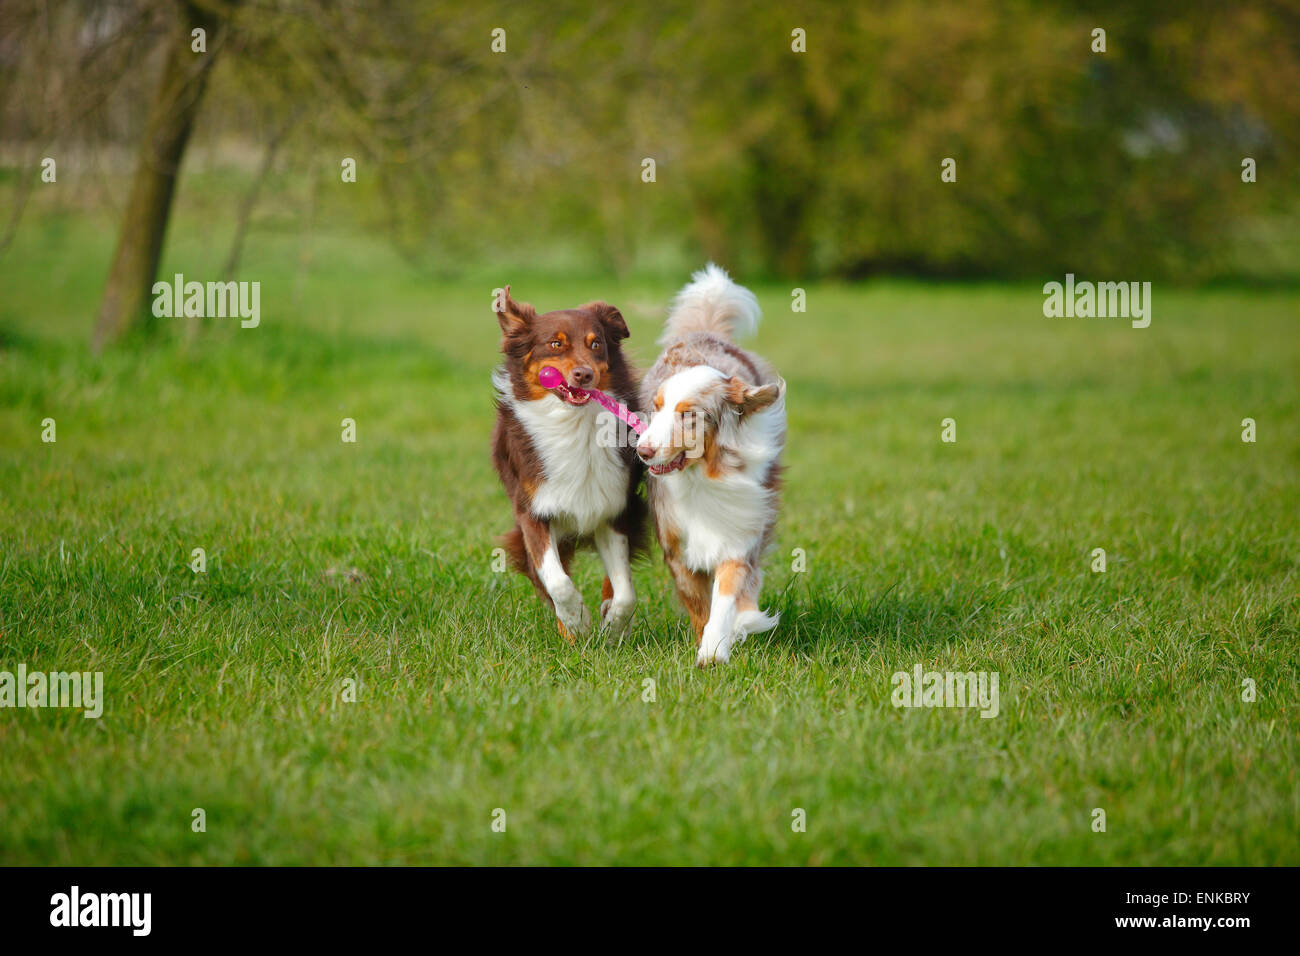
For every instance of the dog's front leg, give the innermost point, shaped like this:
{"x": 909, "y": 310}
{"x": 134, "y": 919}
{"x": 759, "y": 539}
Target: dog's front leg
{"x": 720, "y": 633}
{"x": 575, "y": 620}
{"x": 616, "y": 612}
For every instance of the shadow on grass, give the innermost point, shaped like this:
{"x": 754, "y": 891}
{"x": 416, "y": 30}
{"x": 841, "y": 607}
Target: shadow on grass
{"x": 813, "y": 621}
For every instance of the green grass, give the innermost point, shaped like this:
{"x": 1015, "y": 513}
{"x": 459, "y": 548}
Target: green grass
{"x": 1120, "y": 690}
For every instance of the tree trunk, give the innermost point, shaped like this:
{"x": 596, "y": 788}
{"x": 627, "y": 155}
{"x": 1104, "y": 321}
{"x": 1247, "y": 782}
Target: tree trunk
{"x": 144, "y": 222}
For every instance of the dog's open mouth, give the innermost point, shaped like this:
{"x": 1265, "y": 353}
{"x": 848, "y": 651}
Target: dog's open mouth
{"x": 677, "y": 464}
{"x": 572, "y": 394}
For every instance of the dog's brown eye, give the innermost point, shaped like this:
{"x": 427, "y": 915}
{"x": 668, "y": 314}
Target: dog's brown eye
{"x": 595, "y": 346}
{"x": 557, "y": 344}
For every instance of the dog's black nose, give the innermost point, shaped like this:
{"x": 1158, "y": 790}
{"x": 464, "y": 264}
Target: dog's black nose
{"x": 582, "y": 376}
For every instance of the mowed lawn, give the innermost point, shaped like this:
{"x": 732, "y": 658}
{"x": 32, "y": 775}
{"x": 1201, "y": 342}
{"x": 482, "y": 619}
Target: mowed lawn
{"x": 1120, "y": 690}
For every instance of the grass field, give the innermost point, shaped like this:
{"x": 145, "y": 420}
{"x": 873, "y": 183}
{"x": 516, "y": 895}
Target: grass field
{"x": 1119, "y": 690}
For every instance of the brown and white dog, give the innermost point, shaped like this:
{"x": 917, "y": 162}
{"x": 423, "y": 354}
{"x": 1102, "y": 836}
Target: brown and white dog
{"x": 568, "y": 481}
{"x": 713, "y": 449}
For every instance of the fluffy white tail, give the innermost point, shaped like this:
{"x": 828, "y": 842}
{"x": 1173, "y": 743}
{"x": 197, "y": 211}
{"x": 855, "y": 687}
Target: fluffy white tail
{"x": 711, "y": 302}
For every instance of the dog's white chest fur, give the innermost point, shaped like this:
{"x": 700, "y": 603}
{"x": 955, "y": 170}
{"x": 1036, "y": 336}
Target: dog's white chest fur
{"x": 726, "y": 518}
{"x": 585, "y": 475}
{"x": 719, "y": 519}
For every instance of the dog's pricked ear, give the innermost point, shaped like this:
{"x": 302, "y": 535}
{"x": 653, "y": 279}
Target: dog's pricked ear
{"x": 611, "y": 319}
{"x": 512, "y": 316}
{"x": 752, "y": 398}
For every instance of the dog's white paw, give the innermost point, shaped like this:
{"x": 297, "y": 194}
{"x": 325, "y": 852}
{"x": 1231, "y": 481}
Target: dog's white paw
{"x": 573, "y": 614}
{"x": 615, "y": 616}
{"x": 717, "y": 656}
{"x": 715, "y": 648}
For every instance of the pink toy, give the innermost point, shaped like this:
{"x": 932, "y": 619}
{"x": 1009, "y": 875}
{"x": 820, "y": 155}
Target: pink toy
{"x": 551, "y": 377}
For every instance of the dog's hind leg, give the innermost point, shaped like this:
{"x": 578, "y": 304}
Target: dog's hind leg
{"x": 517, "y": 553}
{"x": 692, "y": 591}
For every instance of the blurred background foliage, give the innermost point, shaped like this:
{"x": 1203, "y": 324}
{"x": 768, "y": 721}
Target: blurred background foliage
{"x": 1122, "y": 164}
